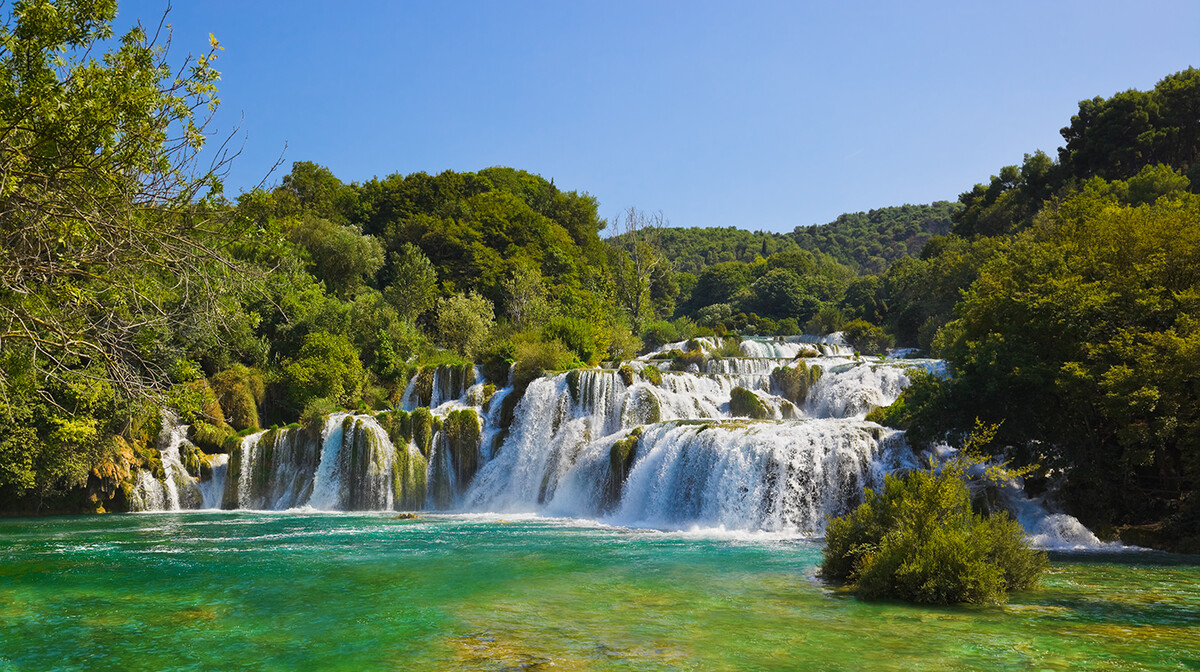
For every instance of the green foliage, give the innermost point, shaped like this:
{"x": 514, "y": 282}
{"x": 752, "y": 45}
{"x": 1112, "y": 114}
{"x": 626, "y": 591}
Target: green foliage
{"x": 587, "y": 341}
{"x": 526, "y": 296}
{"x": 781, "y": 293}
{"x": 692, "y": 250}
{"x": 872, "y": 241}
{"x": 315, "y": 412}
{"x": 1085, "y": 328}
{"x": 865, "y": 337}
{"x": 412, "y": 282}
{"x": 112, "y": 240}
{"x": 827, "y": 320}
{"x": 340, "y": 256}
{"x": 745, "y": 403}
{"x": 1114, "y": 138}
{"x": 922, "y": 293}
{"x": 535, "y": 358}
{"x": 240, "y": 391}
{"x": 622, "y": 344}
{"x": 918, "y": 540}
{"x": 463, "y": 322}
{"x": 327, "y": 367}
{"x": 658, "y": 333}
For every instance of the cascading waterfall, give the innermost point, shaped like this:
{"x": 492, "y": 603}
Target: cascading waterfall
{"x": 176, "y": 489}
{"x": 658, "y": 443}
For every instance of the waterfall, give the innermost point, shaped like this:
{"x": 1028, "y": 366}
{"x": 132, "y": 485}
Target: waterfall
{"x": 176, "y": 489}
{"x": 772, "y": 440}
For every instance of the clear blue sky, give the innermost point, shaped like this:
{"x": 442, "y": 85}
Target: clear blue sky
{"x": 761, "y": 115}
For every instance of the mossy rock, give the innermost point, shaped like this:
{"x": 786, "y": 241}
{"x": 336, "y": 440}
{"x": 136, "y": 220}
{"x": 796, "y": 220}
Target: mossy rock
{"x": 231, "y": 443}
{"x": 423, "y": 388}
{"x": 422, "y": 430}
{"x": 461, "y": 433}
{"x": 240, "y": 391}
{"x": 508, "y": 408}
{"x": 399, "y": 426}
{"x": 746, "y": 404}
{"x": 484, "y": 396}
{"x": 626, "y": 373}
{"x": 652, "y": 374}
{"x": 209, "y": 437}
{"x": 680, "y": 361}
{"x": 497, "y": 370}
{"x": 573, "y": 378}
{"x": 642, "y": 407}
{"x": 794, "y": 382}
{"x": 620, "y": 461}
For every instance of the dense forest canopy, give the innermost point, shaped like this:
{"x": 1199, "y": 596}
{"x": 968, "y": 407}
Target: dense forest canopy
{"x": 1062, "y": 292}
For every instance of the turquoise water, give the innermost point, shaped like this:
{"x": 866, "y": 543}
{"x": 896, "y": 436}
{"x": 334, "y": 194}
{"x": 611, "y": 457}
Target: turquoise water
{"x": 257, "y": 591}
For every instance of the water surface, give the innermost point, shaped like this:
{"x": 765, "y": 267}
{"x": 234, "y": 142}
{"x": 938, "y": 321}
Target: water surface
{"x": 283, "y": 591}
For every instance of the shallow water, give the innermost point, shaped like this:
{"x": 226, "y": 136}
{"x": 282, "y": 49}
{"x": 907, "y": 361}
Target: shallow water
{"x": 283, "y": 591}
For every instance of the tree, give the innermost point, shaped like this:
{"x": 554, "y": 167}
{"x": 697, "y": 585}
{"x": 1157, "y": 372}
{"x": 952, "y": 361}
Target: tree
{"x": 108, "y": 234}
{"x": 340, "y": 256}
{"x": 634, "y": 259}
{"x": 413, "y": 284}
{"x": 1084, "y": 335}
{"x": 526, "y": 296}
{"x": 463, "y": 322}
{"x": 780, "y": 294}
{"x": 327, "y": 367}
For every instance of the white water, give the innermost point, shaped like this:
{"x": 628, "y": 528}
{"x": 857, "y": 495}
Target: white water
{"x": 693, "y": 467}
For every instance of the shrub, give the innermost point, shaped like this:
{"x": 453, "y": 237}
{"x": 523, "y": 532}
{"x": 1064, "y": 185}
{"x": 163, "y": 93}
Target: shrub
{"x": 918, "y": 540}
{"x": 580, "y": 336}
{"x": 622, "y": 345}
{"x": 866, "y": 337}
{"x": 659, "y": 333}
{"x": 535, "y": 358}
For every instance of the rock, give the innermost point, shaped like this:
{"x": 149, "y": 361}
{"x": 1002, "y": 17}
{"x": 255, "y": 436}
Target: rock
{"x": 794, "y": 382}
{"x": 620, "y": 461}
{"x": 745, "y": 403}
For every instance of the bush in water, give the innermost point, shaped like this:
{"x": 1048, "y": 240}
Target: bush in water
{"x": 918, "y": 540}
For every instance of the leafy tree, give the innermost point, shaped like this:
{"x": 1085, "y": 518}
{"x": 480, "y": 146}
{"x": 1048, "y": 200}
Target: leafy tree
{"x": 413, "y": 282}
{"x": 463, "y": 322}
{"x": 1083, "y": 334}
{"x": 780, "y": 293}
{"x": 314, "y": 190}
{"x": 340, "y": 256}
{"x": 526, "y": 296}
{"x": 866, "y": 337}
{"x": 720, "y": 283}
{"x": 872, "y": 241}
{"x": 634, "y": 259}
{"x": 105, "y": 245}
{"x": 327, "y": 367}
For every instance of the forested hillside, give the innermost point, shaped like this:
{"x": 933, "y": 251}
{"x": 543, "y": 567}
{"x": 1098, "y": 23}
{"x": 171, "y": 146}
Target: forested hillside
{"x": 1065, "y": 304}
{"x": 872, "y": 241}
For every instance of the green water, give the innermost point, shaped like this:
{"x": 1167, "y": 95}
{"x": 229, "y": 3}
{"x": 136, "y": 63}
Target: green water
{"x": 219, "y": 591}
